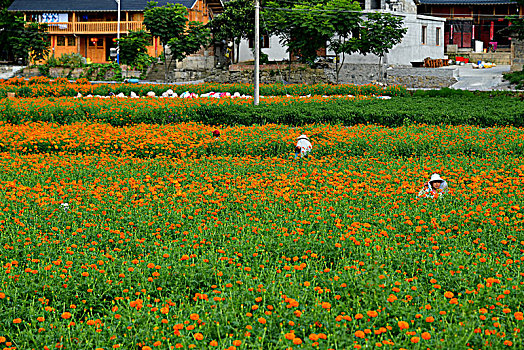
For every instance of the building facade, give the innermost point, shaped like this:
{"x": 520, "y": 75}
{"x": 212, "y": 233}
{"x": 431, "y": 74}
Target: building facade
{"x": 90, "y": 28}
{"x": 424, "y": 37}
{"x": 473, "y": 25}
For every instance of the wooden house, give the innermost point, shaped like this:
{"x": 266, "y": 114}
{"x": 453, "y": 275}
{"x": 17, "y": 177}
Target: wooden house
{"x": 468, "y": 21}
{"x": 90, "y": 27}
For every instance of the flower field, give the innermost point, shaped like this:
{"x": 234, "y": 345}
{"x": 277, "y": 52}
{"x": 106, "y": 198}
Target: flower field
{"x": 151, "y": 236}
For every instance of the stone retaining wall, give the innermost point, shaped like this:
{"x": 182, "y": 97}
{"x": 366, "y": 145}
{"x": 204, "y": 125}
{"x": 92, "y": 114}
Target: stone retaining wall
{"x": 518, "y": 56}
{"x": 294, "y": 74}
{"x": 76, "y": 73}
{"x": 350, "y": 73}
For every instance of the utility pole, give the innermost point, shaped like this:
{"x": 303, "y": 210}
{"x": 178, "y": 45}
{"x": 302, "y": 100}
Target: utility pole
{"x": 256, "y": 95}
{"x": 118, "y": 34}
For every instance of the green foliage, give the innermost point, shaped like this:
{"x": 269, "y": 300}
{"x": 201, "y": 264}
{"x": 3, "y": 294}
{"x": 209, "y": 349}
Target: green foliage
{"x": 72, "y": 60}
{"x": 380, "y": 32}
{"x": 473, "y": 110}
{"x": 31, "y": 41}
{"x": 97, "y": 71}
{"x": 235, "y": 22}
{"x": 133, "y": 47}
{"x": 9, "y": 28}
{"x": 195, "y": 36}
{"x": 516, "y": 78}
{"x": 169, "y": 23}
{"x": 165, "y": 22}
{"x": 305, "y": 29}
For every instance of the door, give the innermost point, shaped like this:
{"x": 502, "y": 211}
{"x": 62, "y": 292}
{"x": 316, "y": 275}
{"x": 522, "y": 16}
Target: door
{"x": 96, "y": 49}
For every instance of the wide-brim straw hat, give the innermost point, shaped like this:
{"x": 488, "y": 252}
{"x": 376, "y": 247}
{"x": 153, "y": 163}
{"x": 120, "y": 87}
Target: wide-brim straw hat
{"x": 436, "y": 177}
{"x": 302, "y": 137}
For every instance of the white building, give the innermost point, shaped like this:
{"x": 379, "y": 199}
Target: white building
{"x": 424, "y": 38}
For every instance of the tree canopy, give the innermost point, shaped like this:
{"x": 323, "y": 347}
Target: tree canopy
{"x": 170, "y": 24}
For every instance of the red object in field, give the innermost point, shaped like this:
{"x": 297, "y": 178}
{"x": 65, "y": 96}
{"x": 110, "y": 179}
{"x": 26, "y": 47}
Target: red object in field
{"x": 216, "y": 133}
{"x": 491, "y": 30}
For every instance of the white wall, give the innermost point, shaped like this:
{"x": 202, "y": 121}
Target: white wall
{"x": 276, "y": 51}
{"x": 409, "y": 50}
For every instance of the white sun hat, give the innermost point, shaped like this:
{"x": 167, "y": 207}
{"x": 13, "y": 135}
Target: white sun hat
{"x": 436, "y": 177}
{"x": 302, "y": 137}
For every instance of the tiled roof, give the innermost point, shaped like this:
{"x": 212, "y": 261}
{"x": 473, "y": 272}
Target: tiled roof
{"x": 466, "y": 2}
{"x": 82, "y": 5}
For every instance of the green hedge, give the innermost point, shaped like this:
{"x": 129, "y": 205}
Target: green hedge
{"x": 398, "y": 111}
{"x": 473, "y": 110}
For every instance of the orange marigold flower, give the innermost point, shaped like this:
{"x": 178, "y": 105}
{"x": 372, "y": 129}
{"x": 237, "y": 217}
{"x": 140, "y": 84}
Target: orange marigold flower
{"x": 198, "y": 336}
{"x": 297, "y": 341}
{"x": 326, "y": 305}
{"x": 17, "y": 320}
{"x": 449, "y": 295}
{"x": 66, "y": 315}
{"x": 426, "y": 336}
{"x": 194, "y": 317}
{"x": 403, "y": 325}
{"x": 313, "y": 337}
{"x": 360, "y": 334}
{"x": 262, "y": 320}
{"x": 415, "y": 340}
{"x": 519, "y": 316}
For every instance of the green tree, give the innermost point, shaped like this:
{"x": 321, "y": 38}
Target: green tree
{"x": 306, "y": 28}
{"x": 169, "y": 24}
{"x": 30, "y": 41}
{"x": 235, "y": 23}
{"x": 196, "y": 36}
{"x": 6, "y": 29}
{"x": 345, "y": 24}
{"x": 134, "y": 46}
{"x": 380, "y": 32}
{"x": 517, "y": 24}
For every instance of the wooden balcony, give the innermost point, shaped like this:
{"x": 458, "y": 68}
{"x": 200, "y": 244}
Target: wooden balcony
{"x": 93, "y": 27}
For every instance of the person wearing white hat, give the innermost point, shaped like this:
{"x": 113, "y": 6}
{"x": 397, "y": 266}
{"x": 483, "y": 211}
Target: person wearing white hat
{"x": 436, "y": 187}
{"x": 303, "y": 146}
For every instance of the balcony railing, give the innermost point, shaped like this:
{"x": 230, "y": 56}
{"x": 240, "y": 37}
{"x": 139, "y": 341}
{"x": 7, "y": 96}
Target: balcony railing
{"x": 93, "y": 27}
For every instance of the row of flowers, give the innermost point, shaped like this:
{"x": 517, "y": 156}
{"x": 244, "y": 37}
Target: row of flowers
{"x": 44, "y": 87}
{"x": 191, "y": 139}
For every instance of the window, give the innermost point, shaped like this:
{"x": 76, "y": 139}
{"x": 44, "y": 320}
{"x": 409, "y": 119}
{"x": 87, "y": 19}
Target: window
{"x": 424, "y": 35}
{"x": 60, "y": 41}
{"x": 264, "y": 42}
{"x": 437, "y": 41}
{"x": 71, "y": 41}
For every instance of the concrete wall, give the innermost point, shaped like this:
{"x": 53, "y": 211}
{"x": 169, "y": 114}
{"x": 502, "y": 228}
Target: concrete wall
{"x": 276, "y": 51}
{"x": 411, "y": 48}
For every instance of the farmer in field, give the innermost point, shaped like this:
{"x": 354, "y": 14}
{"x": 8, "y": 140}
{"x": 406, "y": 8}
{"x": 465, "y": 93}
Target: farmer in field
{"x": 436, "y": 187}
{"x": 303, "y": 147}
